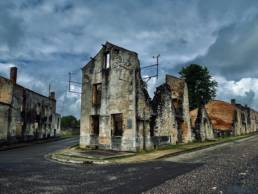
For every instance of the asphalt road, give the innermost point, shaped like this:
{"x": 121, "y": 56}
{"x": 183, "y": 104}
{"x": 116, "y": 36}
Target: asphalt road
{"x": 227, "y": 169}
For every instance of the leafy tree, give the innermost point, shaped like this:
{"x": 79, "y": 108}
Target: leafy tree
{"x": 201, "y": 86}
{"x": 69, "y": 122}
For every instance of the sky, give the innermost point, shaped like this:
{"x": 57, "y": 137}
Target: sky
{"x": 47, "y": 39}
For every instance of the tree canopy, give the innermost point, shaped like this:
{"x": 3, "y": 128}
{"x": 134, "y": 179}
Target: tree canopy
{"x": 70, "y": 122}
{"x": 201, "y": 85}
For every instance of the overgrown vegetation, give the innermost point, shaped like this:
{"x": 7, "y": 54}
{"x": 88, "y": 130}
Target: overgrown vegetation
{"x": 70, "y": 122}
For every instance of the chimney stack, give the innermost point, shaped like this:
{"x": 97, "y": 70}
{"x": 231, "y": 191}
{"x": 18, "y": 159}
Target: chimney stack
{"x": 52, "y": 95}
{"x": 13, "y": 74}
{"x": 233, "y": 101}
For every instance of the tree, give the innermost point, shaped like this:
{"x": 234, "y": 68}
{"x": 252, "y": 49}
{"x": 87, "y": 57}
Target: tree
{"x": 69, "y": 122}
{"x": 201, "y": 86}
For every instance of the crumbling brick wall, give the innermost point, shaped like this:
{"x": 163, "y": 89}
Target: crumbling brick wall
{"x": 230, "y": 118}
{"x": 221, "y": 115}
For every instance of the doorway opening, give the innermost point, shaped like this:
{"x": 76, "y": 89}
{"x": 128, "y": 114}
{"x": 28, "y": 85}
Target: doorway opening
{"x": 117, "y": 124}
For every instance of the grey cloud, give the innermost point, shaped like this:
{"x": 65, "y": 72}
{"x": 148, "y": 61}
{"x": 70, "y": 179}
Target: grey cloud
{"x": 52, "y": 38}
{"x": 234, "y": 54}
{"x": 247, "y": 99}
{"x": 11, "y": 30}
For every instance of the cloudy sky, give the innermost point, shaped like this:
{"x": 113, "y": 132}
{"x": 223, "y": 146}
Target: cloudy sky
{"x": 46, "y": 39}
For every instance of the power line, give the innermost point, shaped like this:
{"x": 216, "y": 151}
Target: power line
{"x": 70, "y": 82}
{"x": 152, "y": 66}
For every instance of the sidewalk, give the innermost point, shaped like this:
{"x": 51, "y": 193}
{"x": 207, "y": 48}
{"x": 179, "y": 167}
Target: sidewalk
{"x": 80, "y": 156}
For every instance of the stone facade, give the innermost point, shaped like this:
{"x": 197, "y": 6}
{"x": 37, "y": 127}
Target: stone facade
{"x": 25, "y": 114}
{"x": 4, "y": 112}
{"x": 226, "y": 118}
{"x": 180, "y": 101}
{"x": 171, "y": 116}
{"x": 201, "y": 124}
{"x": 115, "y": 105}
{"x": 118, "y": 114}
{"x": 164, "y": 124}
{"x": 245, "y": 119}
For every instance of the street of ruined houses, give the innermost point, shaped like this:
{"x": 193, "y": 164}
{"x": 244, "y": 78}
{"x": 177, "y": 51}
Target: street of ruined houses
{"x": 128, "y": 142}
{"x": 117, "y": 112}
{"x": 25, "y": 115}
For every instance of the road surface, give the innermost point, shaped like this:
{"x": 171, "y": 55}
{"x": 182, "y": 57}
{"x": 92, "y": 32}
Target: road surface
{"x": 228, "y": 169}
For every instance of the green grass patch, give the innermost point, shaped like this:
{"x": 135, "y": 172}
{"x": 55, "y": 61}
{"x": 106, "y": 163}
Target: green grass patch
{"x": 69, "y": 133}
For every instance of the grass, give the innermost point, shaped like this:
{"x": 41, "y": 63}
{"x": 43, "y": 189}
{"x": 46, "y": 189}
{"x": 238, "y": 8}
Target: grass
{"x": 69, "y": 133}
{"x": 208, "y": 142}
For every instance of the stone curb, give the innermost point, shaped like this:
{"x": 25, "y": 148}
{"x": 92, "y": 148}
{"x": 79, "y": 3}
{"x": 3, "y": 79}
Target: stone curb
{"x": 71, "y": 161}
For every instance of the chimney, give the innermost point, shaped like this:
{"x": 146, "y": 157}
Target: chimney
{"x": 13, "y": 74}
{"x": 52, "y": 95}
{"x": 233, "y": 101}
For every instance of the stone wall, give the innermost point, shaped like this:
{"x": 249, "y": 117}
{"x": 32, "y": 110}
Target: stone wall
{"x": 201, "y": 124}
{"x": 122, "y": 92}
{"x": 164, "y": 121}
{"x": 180, "y": 100}
{"x": 114, "y": 96}
{"x": 221, "y": 115}
{"x": 6, "y": 89}
{"x": 245, "y": 120}
{"x": 4, "y": 118}
{"x": 231, "y": 118}
{"x": 30, "y": 115}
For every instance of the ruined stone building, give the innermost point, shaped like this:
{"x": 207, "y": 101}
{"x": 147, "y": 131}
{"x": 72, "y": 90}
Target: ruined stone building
{"x": 228, "y": 118}
{"x": 115, "y": 105}
{"x": 245, "y": 119}
{"x": 201, "y": 124}
{"x": 25, "y": 114}
{"x": 117, "y": 112}
{"x": 163, "y": 122}
{"x": 171, "y": 116}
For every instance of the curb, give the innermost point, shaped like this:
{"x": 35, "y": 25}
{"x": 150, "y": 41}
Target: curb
{"x": 102, "y": 162}
{"x": 52, "y": 157}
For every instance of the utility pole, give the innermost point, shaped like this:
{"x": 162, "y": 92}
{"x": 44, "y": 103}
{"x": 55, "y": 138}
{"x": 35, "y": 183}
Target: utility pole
{"x": 157, "y": 64}
{"x": 69, "y": 87}
{"x": 152, "y": 66}
{"x": 49, "y": 89}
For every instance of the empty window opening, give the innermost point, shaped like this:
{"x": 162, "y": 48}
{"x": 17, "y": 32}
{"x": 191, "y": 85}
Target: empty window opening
{"x": 95, "y": 124}
{"x": 107, "y": 60}
{"x": 96, "y": 96}
{"x": 117, "y": 122}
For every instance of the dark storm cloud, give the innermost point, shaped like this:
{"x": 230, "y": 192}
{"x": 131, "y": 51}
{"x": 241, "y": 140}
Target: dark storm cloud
{"x": 247, "y": 98}
{"x": 11, "y": 30}
{"x": 234, "y": 54}
{"x": 47, "y": 39}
